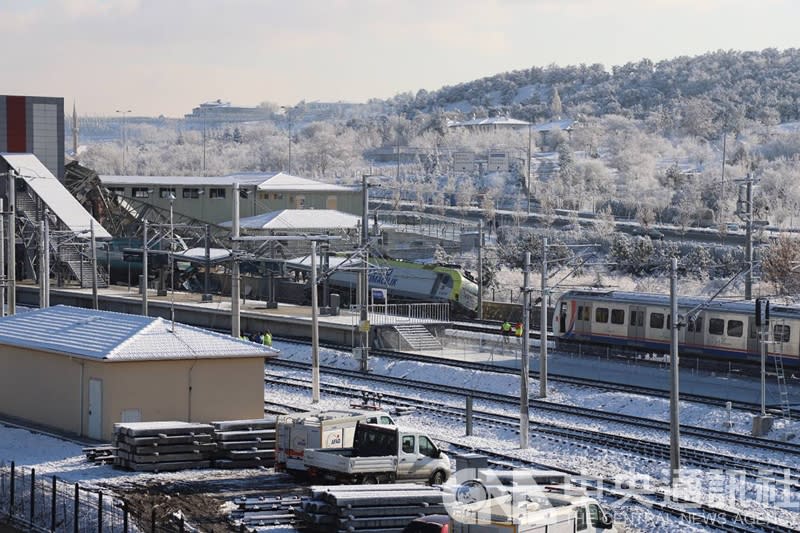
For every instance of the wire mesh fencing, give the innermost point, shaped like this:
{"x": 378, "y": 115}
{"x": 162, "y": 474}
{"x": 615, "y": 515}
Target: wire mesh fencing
{"x": 49, "y": 504}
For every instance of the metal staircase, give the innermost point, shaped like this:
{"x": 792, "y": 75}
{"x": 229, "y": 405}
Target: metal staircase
{"x": 70, "y": 252}
{"x": 417, "y": 337}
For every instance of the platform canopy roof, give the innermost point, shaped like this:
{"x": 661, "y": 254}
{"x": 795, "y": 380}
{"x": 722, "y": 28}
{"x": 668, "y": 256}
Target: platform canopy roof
{"x": 296, "y": 219}
{"x": 55, "y": 196}
{"x": 107, "y": 336}
{"x": 263, "y": 181}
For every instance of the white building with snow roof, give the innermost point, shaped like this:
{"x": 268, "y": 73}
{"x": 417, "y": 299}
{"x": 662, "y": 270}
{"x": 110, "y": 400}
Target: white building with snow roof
{"x": 80, "y": 371}
{"x": 208, "y": 198}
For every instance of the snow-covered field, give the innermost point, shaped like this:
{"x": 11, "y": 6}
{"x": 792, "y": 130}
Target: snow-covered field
{"x": 52, "y": 456}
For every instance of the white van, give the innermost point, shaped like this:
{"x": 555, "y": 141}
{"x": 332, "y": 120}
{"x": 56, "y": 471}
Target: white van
{"x": 318, "y": 429}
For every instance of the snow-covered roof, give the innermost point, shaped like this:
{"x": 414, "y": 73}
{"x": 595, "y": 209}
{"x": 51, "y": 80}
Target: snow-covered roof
{"x": 269, "y": 181}
{"x": 563, "y": 124}
{"x": 108, "y": 336}
{"x": 490, "y": 121}
{"x": 53, "y": 193}
{"x": 289, "y": 219}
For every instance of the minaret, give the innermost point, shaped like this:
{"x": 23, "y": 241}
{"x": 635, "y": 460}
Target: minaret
{"x": 74, "y": 130}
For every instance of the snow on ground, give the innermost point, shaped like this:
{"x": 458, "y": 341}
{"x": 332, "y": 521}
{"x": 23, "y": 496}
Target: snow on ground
{"x": 726, "y": 489}
{"x": 52, "y": 456}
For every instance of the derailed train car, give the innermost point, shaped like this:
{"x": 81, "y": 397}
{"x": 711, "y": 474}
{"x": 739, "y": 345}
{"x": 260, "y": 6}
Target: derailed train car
{"x": 404, "y": 281}
{"x": 723, "y": 330}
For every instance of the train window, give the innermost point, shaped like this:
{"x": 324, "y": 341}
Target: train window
{"x": 735, "y": 328}
{"x": 669, "y": 321}
{"x": 751, "y": 329}
{"x": 696, "y": 325}
{"x": 716, "y": 326}
{"x": 781, "y": 333}
{"x": 657, "y": 320}
{"x": 601, "y": 315}
{"x": 617, "y": 316}
{"x": 637, "y": 318}
{"x": 583, "y": 312}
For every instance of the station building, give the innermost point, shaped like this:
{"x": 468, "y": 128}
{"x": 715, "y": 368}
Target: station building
{"x": 34, "y": 124}
{"x": 80, "y": 371}
{"x": 209, "y": 198}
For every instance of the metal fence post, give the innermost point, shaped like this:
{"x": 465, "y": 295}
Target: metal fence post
{"x": 124, "y": 517}
{"x": 53, "y": 506}
{"x": 153, "y": 519}
{"x": 100, "y": 512}
{"x": 469, "y": 415}
{"x": 11, "y": 494}
{"x": 76, "y": 509}
{"x": 33, "y": 493}
{"x": 180, "y": 524}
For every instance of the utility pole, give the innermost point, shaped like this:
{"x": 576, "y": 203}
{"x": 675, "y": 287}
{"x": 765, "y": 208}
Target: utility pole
{"x": 543, "y": 326}
{"x": 524, "y": 373}
{"x": 143, "y": 283}
{"x": 363, "y": 324}
{"x": 41, "y": 264}
{"x": 206, "y": 294}
{"x": 314, "y": 327}
{"x": 42, "y": 284}
{"x": 236, "y": 330}
{"x": 172, "y": 262}
{"x": 480, "y": 270}
{"x": 722, "y": 217}
{"x": 748, "y": 250}
{"x": 530, "y": 139}
{"x": 46, "y": 257}
{"x": 12, "y": 242}
{"x": 93, "y": 244}
{"x": 674, "y": 406}
{"x": 2, "y": 261}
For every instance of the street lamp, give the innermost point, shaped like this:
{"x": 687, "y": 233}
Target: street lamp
{"x": 124, "y": 136}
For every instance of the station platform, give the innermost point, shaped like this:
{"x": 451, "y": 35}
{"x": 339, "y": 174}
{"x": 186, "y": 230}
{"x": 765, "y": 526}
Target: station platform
{"x": 288, "y": 320}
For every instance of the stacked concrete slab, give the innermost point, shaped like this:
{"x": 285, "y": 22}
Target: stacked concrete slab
{"x": 245, "y": 443}
{"x": 367, "y": 508}
{"x": 265, "y": 511}
{"x": 163, "y": 446}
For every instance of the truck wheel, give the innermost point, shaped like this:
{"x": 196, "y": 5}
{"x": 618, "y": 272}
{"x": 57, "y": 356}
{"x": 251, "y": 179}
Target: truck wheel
{"x": 437, "y": 478}
{"x": 369, "y": 480}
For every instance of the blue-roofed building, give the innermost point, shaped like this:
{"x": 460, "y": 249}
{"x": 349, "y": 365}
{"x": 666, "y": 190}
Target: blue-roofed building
{"x": 80, "y": 371}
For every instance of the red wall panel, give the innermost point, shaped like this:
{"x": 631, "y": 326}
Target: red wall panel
{"x": 15, "y": 124}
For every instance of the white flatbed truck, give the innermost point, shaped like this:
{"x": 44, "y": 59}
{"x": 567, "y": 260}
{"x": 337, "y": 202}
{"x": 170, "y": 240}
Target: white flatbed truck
{"x": 318, "y": 429}
{"x": 380, "y": 454}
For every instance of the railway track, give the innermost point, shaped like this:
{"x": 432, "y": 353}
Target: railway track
{"x": 534, "y": 374}
{"x": 758, "y": 470}
{"x": 720, "y": 519}
{"x": 549, "y": 407}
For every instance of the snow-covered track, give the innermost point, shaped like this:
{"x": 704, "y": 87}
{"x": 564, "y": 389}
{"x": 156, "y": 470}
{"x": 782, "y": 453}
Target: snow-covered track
{"x": 652, "y": 450}
{"x": 539, "y": 405}
{"x": 553, "y": 377}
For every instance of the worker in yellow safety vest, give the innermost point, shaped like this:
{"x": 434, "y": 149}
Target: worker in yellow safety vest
{"x": 267, "y": 338}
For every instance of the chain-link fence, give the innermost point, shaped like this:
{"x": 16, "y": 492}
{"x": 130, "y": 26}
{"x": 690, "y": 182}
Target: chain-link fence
{"x": 50, "y": 504}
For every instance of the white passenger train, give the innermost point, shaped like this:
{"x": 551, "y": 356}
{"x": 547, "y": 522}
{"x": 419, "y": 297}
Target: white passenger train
{"x": 712, "y": 330}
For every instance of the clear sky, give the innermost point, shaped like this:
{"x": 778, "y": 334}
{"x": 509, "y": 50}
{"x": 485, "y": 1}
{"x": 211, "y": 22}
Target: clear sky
{"x": 166, "y": 56}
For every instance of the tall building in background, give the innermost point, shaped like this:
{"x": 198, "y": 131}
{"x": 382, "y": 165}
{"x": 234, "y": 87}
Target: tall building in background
{"x": 34, "y": 124}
